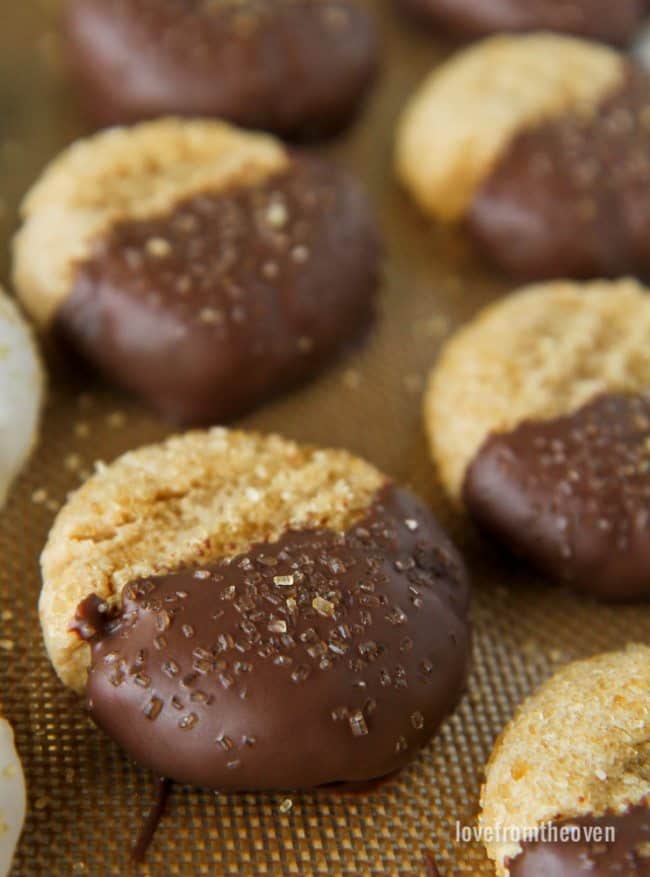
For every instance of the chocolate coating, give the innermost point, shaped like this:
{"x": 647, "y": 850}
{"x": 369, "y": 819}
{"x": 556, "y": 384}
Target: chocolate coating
{"x": 297, "y": 67}
{"x": 571, "y": 197}
{"x": 318, "y": 658}
{"x": 627, "y": 856}
{"x": 572, "y": 495}
{"x": 230, "y": 298}
{"x": 612, "y": 22}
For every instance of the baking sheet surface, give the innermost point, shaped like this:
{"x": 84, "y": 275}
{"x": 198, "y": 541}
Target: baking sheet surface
{"x": 86, "y": 801}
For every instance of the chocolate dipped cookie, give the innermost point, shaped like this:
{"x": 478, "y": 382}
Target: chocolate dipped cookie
{"x": 567, "y": 789}
{"x": 201, "y": 267}
{"x": 13, "y": 796}
{"x": 22, "y": 390}
{"x": 294, "y": 67}
{"x": 538, "y": 145}
{"x": 604, "y": 20}
{"x": 538, "y": 414}
{"x": 246, "y": 613}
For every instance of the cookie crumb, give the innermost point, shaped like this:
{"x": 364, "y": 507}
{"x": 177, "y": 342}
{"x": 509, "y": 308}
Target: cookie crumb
{"x": 116, "y": 420}
{"x": 305, "y": 344}
{"x": 159, "y": 248}
{"x": 277, "y": 214}
{"x": 286, "y": 805}
{"x": 72, "y": 462}
{"x": 210, "y": 316}
{"x": 300, "y": 254}
{"x": 351, "y": 379}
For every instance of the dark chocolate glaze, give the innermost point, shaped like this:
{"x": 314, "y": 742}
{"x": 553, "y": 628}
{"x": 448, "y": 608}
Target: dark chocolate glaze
{"x": 572, "y": 495}
{"x": 318, "y": 658}
{"x": 571, "y": 197}
{"x": 232, "y": 297}
{"x": 612, "y": 21}
{"x": 627, "y": 856}
{"x": 297, "y": 67}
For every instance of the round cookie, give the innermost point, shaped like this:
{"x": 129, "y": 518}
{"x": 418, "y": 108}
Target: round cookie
{"x": 546, "y": 165}
{"x": 260, "y": 615}
{"x": 295, "y": 67}
{"x": 13, "y": 798}
{"x": 21, "y": 393}
{"x": 595, "y": 777}
{"x": 199, "y": 266}
{"x": 595, "y": 19}
{"x": 538, "y": 414}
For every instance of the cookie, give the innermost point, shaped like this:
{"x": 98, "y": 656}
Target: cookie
{"x": 596, "y": 19}
{"x": 198, "y": 266}
{"x": 538, "y": 414}
{"x": 21, "y": 393}
{"x": 576, "y": 754}
{"x": 295, "y": 67}
{"x": 12, "y": 797}
{"x": 247, "y": 613}
{"x": 547, "y": 164}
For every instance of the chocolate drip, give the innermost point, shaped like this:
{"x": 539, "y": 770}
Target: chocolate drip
{"x": 92, "y": 618}
{"x": 231, "y": 297}
{"x": 430, "y": 867}
{"x": 319, "y": 658}
{"x": 571, "y": 197}
{"x": 573, "y": 494}
{"x": 162, "y": 789}
{"x": 626, "y": 856}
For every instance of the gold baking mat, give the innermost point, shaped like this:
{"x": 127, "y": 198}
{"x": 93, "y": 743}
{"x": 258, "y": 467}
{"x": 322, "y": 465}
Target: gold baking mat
{"x": 86, "y": 802}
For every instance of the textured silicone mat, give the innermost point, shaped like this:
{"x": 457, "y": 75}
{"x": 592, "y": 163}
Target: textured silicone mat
{"x": 86, "y": 802}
